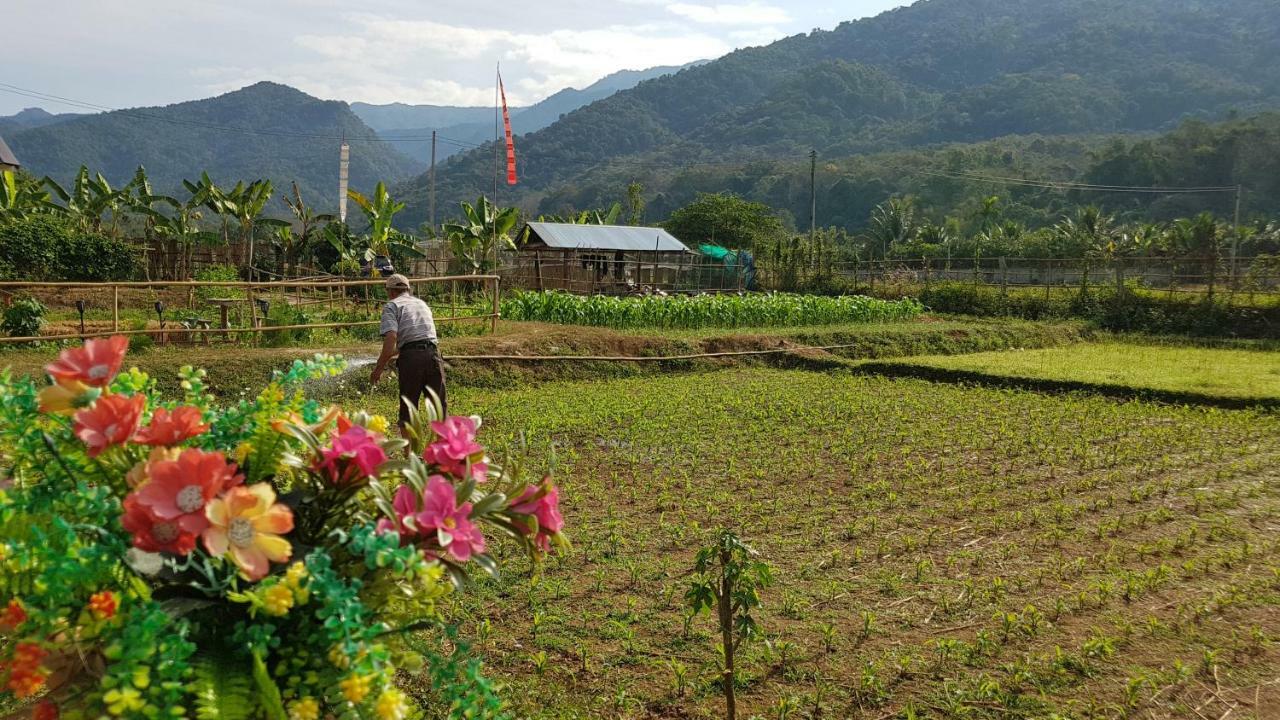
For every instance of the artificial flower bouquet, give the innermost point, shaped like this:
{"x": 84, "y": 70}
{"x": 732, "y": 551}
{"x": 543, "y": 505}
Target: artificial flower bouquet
{"x": 261, "y": 560}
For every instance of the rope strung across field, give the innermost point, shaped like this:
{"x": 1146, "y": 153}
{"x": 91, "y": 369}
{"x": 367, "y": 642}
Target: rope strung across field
{"x": 649, "y": 358}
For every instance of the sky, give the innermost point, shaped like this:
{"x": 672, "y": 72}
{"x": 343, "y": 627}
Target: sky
{"x": 132, "y": 53}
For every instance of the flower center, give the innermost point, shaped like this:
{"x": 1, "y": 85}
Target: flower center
{"x": 241, "y": 532}
{"x": 97, "y": 372}
{"x": 164, "y": 532}
{"x": 190, "y": 499}
{"x": 450, "y": 523}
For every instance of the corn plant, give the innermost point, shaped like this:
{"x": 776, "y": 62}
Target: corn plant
{"x": 762, "y": 310}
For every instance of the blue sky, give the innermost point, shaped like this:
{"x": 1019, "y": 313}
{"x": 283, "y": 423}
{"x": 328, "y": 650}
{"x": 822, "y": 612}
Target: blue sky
{"x": 129, "y": 53}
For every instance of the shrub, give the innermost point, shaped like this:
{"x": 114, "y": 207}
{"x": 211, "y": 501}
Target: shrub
{"x": 218, "y": 273}
{"x": 29, "y": 246}
{"x": 95, "y": 257}
{"x": 24, "y": 318}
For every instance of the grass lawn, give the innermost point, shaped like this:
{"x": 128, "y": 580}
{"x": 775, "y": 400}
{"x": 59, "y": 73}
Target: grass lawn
{"x": 940, "y": 551}
{"x": 1212, "y": 372}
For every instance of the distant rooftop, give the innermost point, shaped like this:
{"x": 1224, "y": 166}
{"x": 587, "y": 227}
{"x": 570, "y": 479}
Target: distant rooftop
{"x": 566, "y": 236}
{"x": 7, "y": 159}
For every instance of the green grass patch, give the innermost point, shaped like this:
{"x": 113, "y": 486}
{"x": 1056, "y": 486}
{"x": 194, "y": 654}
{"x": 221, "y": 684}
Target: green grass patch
{"x": 1230, "y": 377}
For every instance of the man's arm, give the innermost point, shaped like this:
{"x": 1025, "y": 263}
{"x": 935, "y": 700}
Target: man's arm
{"x": 388, "y": 353}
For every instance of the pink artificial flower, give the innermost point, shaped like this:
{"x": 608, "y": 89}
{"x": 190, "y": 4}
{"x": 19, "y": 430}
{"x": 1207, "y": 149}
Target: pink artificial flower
{"x": 450, "y": 522}
{"x": 406, "y": 507}
{"x": 178, "y": 491}
{"x": 111, "y": 421}
{"x": 457, "y": 445}
{"x": 354, "y": 456}
{"x": 543, "y": 505}
{"x": 95, "y": 364}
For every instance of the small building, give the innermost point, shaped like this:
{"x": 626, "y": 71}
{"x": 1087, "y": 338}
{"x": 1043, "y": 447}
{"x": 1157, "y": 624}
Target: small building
{"x": 601, "y": 258}
{"x": 8, "y": 161}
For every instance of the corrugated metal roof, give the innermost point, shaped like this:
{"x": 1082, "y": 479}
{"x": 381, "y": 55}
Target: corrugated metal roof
{"x": 605, "y": 237}
{"x": 6, "y": 155}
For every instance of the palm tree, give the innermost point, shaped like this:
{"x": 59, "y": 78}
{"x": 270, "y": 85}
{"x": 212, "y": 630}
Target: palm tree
{"x": 482, "y": 230}
{"x": 246, "y": 203}
{"x": 892, "y": 223}
{"x": 1200, "y": 238}
{"x": 308, "y": 219}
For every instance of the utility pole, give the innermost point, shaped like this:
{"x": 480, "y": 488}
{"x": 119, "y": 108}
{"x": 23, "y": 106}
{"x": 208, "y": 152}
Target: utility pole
{"x": 1235, "y": 239}
{"x": 813, "y": 195}
{"x": 431, "y": 212}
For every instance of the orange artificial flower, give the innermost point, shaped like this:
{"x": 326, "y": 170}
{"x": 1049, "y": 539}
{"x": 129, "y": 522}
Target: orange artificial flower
{"x": 247, "y": 522}
{"x": 171, "y": 428}
{"x": 96, "y": 363}
{"x": 103, "y": 605}
{"x": 111, "y": 421}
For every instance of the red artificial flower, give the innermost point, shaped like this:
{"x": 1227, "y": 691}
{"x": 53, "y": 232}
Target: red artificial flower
{"x": 95, "y": 364}
{"x": 45, "y": 710}
{"x": 111, "y": 421}
{"x": 13, "y": 615}
{"x": 171, "y": 428}
{"x": 103, "y": 605}
{"x": 152, "y": 534}
{"x": 26, "y": 677}
{"x": 177, "y": 490}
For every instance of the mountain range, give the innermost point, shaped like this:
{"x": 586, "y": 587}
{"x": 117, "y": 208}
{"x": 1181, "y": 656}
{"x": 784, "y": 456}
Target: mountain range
{"x": 406, "y": 125}
{"x": 937, "y": 72}
{"x": 265, "y": 130}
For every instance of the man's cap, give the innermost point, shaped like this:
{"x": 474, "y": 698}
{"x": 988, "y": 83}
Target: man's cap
{"x": 397, "y": 282}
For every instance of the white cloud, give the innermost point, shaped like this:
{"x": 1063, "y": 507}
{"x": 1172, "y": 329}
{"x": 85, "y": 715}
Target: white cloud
{"x": 376, "y": 59}
{"x": 752, "y": 13}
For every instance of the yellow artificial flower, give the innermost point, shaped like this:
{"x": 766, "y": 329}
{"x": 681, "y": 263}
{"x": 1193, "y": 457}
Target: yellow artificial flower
{"x": 123, "y": 700}
{"x": 391, "y": 705}
{"x": 305, "y": 709}
{"x": 355, "y": 688}
{"x": 66, "y": 396}
{"x": 277, "y": 600}
{"x": 339, "y": 658}
{"x": 295, "y": 419}
{"x": 247, "y": 522}
{"x": 141, "y": 677}
{"x": 242, "y": 452}
{"x": 137, "y": 475}
{"x": 378, "y": 424}
{"x": 295, "y": 578}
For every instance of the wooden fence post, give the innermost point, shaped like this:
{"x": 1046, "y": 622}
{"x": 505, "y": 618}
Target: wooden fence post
{"x": 497, "y": 305}
{"x": 115, "y": 308}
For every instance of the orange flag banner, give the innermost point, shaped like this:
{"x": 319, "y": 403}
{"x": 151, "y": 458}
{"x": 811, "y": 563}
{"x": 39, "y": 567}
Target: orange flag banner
{"x": 511, "y": 146}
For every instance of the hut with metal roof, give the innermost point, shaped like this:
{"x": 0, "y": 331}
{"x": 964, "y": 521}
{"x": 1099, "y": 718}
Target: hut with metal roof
{"x": 8, "y": 161}
{"x": 600, "y": 258}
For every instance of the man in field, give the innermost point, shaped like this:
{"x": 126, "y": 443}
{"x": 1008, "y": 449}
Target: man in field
{"x": 409, "y": 332}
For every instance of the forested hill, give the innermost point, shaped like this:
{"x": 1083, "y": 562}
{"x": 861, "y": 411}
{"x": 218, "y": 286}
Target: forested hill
{"x": 290, "y": 136}
{"x": 937, "y": 71}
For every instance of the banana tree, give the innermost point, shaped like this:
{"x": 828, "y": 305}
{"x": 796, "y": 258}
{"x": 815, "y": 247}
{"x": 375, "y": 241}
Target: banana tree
{"x": 22, "y": 196}
{"x": 483, "y": 229}
{"x": 291, "y": 243}
{"x": 89, "y": 199}
{"x": 379, "y": 210}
